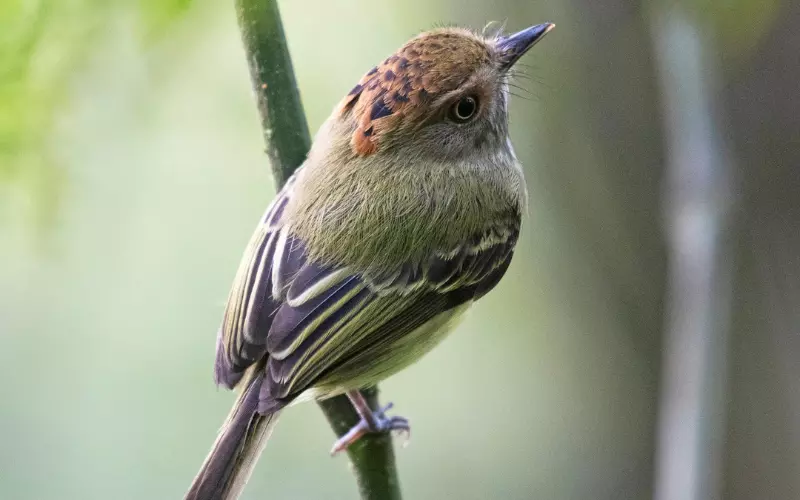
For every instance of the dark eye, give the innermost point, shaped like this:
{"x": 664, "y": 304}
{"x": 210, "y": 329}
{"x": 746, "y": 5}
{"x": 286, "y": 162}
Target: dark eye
{"x": 464, "y": 109}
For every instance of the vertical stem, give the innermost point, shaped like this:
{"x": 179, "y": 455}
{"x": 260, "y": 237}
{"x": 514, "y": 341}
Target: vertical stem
{"x": 282, "y": 118}
{"x": 288, "y": 141}
{"x": 692, "y": 409}
{"x": 372, "y": 455}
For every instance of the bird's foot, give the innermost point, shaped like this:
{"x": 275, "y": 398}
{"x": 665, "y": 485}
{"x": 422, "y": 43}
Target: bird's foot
{"x": 379, "y": 423}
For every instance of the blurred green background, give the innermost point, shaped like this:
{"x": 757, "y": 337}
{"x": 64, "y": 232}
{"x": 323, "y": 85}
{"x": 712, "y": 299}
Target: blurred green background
{"x": 132, "y": 173}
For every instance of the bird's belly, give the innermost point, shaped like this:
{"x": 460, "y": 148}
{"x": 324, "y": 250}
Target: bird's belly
{"x": 392, "y": 358}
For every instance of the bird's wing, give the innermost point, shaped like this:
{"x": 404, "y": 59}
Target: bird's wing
{"x": 253, "y": 301}
{"x": 315, "y": 322}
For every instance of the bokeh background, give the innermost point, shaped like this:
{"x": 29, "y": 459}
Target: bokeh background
{"x": 132, "y": 173}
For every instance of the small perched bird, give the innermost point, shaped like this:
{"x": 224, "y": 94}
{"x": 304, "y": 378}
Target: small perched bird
{"x": 405, "y": 212}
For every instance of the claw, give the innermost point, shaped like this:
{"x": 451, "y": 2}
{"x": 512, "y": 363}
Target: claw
{"x": 382, "y": 423}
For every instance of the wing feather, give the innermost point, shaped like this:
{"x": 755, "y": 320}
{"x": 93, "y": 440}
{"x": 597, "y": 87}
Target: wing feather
{"x": 326, "y": 325}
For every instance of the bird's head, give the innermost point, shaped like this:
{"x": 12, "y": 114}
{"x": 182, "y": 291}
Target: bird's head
{"x": 441, "y": 97}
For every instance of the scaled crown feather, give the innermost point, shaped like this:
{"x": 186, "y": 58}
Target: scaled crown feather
{"x": 398, "y": 91}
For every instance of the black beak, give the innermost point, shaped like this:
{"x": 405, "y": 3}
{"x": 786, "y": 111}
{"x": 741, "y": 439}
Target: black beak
{"x": 514, "y": 46}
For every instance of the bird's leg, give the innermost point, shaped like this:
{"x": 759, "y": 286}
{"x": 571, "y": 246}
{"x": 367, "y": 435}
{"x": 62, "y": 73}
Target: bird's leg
{"x": 371, "y": 422}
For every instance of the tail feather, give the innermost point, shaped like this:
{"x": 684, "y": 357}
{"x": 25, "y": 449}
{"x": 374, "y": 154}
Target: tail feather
{"x": 240, "y": 442}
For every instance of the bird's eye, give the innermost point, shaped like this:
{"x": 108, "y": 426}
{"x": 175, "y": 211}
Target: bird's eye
{"x": 464, "y": 109}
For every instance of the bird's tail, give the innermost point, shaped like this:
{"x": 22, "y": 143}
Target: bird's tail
{"x": 240, "y": 441}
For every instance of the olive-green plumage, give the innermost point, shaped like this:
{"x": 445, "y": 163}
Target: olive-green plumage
{"x": 406, "y": 211}
{"x": 420, "y": 210}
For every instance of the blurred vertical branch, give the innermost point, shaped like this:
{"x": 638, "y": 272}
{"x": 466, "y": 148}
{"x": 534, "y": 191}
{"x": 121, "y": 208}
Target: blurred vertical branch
{"x": 283, "y": 121}
{"x": 692, "y": 409}
{"x": 287, "y": 139}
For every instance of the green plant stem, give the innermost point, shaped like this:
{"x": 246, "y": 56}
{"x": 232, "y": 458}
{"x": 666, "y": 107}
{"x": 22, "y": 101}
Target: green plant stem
{"x": 282, "y": 119}
{"x": 288, "y": 141}
{"x": 372, "y": 456}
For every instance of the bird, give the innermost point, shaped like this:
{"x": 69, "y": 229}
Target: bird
{"x": 405, "y": 212}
